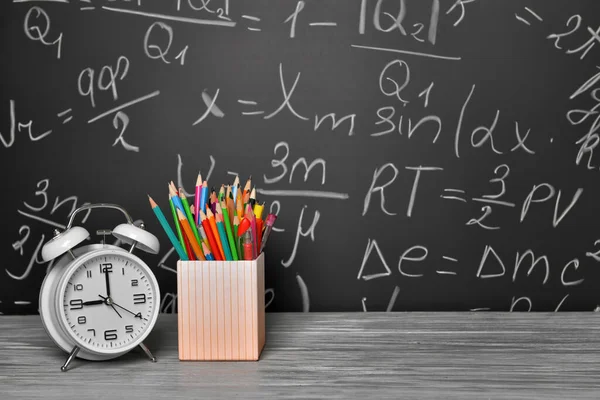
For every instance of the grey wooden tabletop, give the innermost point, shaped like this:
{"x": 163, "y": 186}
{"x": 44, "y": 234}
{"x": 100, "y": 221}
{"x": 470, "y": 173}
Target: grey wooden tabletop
{"x": 332, "y": 355}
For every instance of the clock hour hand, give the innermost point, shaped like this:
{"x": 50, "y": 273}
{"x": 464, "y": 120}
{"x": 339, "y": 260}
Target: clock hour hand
{"x": 93, "y": 302}
{"x": 138, "y": 315}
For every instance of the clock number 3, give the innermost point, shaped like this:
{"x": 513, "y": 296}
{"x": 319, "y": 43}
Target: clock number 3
{"x": 139, "y": 298}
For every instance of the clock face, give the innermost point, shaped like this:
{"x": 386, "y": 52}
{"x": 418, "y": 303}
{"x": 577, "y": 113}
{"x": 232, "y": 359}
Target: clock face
{"x": 109, "y": 302}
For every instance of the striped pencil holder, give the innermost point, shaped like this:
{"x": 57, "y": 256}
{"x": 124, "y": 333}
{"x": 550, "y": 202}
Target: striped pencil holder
{"x": 221, "y": 309}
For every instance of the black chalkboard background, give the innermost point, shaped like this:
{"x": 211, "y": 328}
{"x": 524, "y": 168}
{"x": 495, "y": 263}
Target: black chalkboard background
{"x": 497, "y": 57}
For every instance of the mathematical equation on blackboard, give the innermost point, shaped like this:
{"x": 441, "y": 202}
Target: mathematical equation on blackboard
{"x": 410, "y": 106}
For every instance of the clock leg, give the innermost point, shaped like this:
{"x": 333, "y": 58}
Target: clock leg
{"x": 132, "y": 246}
{"x": 70, "y": 358}
{"x": 150, "y": 356}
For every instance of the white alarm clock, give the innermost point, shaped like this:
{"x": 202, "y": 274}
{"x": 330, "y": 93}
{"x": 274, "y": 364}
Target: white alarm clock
{"x": 99, "y": 301}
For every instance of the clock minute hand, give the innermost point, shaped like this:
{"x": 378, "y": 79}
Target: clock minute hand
{"x": 107, "y": 282}
{"x": 138, "y": 315}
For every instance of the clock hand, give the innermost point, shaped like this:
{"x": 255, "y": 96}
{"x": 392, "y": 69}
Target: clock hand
{"x": 107, "y": 282}
{"x": 108, "y": 302}
{"x": 138, "y": 315}
{"x": 113, "y": 307}
{"x": 93, "y": 302}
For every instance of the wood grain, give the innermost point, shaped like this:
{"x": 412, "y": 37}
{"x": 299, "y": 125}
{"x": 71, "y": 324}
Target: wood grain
{"x": 332, "y": 355}
{"x": 233, "y": 332}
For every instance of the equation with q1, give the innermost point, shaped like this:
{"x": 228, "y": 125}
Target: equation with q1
{"x": 420, "y": 155}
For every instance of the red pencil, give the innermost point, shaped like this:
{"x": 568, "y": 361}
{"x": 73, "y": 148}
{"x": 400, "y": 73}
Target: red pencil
{"x": 211, "y": 238}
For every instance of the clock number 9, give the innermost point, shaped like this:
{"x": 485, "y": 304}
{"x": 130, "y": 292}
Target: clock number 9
{"x": 76, "y": 304}
{"x": 110, "y": 334}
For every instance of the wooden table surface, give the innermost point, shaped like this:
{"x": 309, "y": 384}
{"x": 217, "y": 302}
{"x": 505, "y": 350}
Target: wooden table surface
{"x": 334, "y": 356}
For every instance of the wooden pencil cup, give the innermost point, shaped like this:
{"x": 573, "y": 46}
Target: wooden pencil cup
{"x": 221, "y": 309}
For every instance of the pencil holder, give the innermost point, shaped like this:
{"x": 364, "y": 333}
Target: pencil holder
{"x": 221, "y": 309}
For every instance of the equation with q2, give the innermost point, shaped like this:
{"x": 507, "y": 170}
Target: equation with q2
{"x": 420, "y": 155}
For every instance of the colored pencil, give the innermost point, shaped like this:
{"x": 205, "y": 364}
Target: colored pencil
{"x": 247, "y": 186}
{"x": 204, "y": 196}
{"x": 239, "y": 206}
{"x": 213, "y": 226}
{"x": 190, "y": 235}
{"x": 176, "y": 221}
{"x": 269, "y": 222}
{"x": 175, "y": 196}
{"x": 230, "y": 209}
{"x": 236, "y": 223}
{"x": 165, "y": 225}
{"x": 235, "y": 187}
{"x": 207, "y": 254}
{"x": 188, "y": 214}
{"x": 201, "y": 232}
{"x": 197, "y": 196}
{"x": 259, "y": 228}
{"x": 229, "y": 233}
{"x": 188, "y": 247}
{"x": 223, "y": 236}
{"x": 228, "y": 192}
{"x": 211, "y": 238}
{"x": 258, "y": 210}
{"x": 252, "y": 218}
{"x": 252, "y": 197}
{"x": 246, "y": 199}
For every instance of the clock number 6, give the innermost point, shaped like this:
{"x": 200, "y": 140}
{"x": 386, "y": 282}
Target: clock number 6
{"x": 110, "y": 334}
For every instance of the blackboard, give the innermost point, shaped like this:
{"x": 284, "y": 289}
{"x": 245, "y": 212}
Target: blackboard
{"x": 450, "y": 145}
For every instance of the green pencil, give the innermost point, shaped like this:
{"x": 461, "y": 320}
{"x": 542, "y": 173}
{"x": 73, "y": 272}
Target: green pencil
{"x": 229, "y": 233}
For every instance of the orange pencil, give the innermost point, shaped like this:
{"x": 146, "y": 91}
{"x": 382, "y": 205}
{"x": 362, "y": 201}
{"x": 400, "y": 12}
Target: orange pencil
{"x": 239, "y": 205}
{"x": 230, "y": 209}
{"x": 190, "y": 235}
{"x": 213, "y": 226}
{"x": 247, "y": 186}
{"x": 186, "y": 242}
{"x": 209, "y": 234}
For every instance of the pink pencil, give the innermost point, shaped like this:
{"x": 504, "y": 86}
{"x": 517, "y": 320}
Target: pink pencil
{"x": 197, "y": 199}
